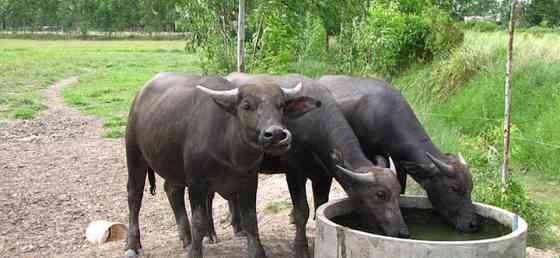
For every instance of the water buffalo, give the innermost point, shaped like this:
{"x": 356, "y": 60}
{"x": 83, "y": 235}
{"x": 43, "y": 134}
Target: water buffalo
{"x": 206, "y": 134}
{"x": 386, "y": 125}
{"x": 374, "y": 190}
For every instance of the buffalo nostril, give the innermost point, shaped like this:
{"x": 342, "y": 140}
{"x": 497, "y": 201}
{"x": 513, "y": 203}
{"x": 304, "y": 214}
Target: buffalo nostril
{"x": 281, "y": 135}
{"x": 268, "y": 135}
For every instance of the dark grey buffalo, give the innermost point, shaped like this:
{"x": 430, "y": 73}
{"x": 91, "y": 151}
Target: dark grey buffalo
{"x": 207, "y": 135}
{"x": 374, "y": 190}
{"x": 386, "y": 125}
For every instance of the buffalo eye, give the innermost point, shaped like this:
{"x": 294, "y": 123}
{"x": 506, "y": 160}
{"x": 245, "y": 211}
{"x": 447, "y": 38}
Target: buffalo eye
{"x": 381, "y": 196}
{"x": 245, "y": 105}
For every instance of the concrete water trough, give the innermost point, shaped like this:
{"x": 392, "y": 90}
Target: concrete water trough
{"x": 335, "y": 240}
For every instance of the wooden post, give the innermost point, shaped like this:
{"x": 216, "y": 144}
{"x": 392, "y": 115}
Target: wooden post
{"x": 241, "y": 37}
{"x": 507, "y": 95}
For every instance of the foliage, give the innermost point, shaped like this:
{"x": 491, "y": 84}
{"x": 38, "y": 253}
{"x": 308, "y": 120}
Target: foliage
{"x": 85, "y": 15}
{"x": 391, "y": 37}
{"x": 544, "y": 13}
{"x": 482, "y": 26}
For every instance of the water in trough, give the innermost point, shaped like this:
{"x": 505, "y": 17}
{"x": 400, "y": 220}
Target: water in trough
{"x": 424, "y": 224}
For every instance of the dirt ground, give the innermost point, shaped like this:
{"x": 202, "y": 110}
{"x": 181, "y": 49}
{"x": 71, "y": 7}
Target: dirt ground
{"x": 59, "y": 174}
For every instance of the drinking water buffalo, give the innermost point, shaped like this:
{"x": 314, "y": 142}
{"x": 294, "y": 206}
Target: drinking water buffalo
{"x": 206, "y": 134}
{"x": 374, "y": 190}
{"x": 386, "y": 125}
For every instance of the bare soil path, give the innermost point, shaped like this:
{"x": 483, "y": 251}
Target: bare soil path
{"x": 58, "y": 174}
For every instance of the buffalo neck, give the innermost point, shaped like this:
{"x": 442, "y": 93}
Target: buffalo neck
{"x": 332, "y": 131}
{"x": 411, "y": 142}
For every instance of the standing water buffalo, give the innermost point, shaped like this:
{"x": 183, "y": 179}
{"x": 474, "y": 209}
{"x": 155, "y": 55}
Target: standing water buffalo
{"x": 386, "y": 125}
{"x": 374, "y": 190}
{"x": 210, "y": 138}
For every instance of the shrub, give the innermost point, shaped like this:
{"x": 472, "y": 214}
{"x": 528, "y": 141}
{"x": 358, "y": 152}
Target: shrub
{"x": 482, "y": 26}
{"x": 380, "y": 39}
{"x": 444, "y": 35}
{"x": 390, "y": 39}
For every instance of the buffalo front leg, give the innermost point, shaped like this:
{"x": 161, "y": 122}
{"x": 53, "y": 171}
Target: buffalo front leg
{"x": 198, "y": 198}
{"x": 234, "y": 211}
{"x": 176, "y": 197}
{"x": 247, "y": 200}
{"x": 401, "y": 176}
{"x": 321, "y": 190}
{"x": 296, "y": 184}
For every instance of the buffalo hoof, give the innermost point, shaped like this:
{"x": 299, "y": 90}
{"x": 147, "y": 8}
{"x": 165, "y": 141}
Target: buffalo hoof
{"x": 302, "y": 254}
{"x": 292, "y": 218}
{"x": 134, "y": 253}
{"x": 240, "y": 233}
{"x": 210, "y": 240}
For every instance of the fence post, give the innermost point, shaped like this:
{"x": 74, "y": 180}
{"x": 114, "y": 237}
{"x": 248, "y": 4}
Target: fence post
{"x": 507, "y": 96}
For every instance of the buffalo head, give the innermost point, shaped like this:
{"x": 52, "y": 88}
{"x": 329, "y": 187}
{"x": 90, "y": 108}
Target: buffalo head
{"x": 448, "y": 183}
{"x": 375, "y": 193}
{"x": 261, "y": 109}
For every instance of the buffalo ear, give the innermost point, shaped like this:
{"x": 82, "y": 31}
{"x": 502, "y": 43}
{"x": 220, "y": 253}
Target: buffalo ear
{"x": 297, "y": 107}
{"x": 336, "y": 156}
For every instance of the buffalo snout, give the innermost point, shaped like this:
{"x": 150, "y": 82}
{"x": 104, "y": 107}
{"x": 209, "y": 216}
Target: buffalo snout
{"x": 275, "y": 136}
{"x": 469, "y": 225}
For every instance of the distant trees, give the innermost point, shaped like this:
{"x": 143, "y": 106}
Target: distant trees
{"x": 545, "y": 13}
{"x": 86, "y": 15}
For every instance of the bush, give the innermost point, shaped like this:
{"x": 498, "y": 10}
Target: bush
{"x": 380, "y": 40}
{"x": 444, "y": 35}
{"x": 482, "y": 26}
{"x": 390, "y": 39}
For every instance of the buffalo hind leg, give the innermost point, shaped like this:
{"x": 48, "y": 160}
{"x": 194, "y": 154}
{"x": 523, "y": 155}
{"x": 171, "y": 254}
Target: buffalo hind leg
{"x": 199, "y": 228}
{"x": 212, "y": 236}
{"x": 137, "y": 170}
{"x": 296, "y": 185}
{"x": 247, "y": 200}
{"x": 176, "y": 197}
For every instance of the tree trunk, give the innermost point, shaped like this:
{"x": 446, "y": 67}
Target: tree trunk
{"x": 256, "y": 41}
{"x": 507, "y": 95}
{"x": 241, "y": 37}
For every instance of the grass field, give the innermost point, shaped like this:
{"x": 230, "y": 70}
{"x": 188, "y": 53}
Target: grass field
{"x": 110, "y": 73}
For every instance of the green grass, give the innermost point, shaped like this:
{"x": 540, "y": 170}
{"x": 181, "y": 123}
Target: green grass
{"x": 278, "y": 206}
{"x": 110, "y": 74}
{"x": 459, "y": 99}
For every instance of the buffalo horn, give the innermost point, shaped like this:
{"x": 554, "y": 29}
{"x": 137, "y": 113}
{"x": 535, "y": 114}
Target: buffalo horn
{"x": 440, "y": 164}
{"x": 360, "y": 177}
{"x": 293, "y": 91}
{"x": 462, "y": 159}
{"x": 221, "y": 94}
